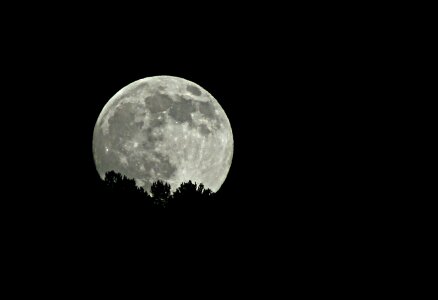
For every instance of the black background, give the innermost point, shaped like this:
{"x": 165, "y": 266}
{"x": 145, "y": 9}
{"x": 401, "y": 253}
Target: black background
{"x": 295, "y": 84}
{"x": 304, "y": 90}
{"x": 286, "y": 83}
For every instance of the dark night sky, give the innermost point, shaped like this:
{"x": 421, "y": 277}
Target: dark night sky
{"x": 285, "y": 84}
{"x": 302, "y": 88}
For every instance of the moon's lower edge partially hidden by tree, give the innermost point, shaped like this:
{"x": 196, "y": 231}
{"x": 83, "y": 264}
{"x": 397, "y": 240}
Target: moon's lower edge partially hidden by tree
{"x": 164, "y": 128}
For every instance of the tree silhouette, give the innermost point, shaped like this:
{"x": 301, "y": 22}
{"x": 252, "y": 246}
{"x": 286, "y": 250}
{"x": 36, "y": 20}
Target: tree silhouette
{"x": 122, "y": 192}
{"x": 120, "y": 188}
{"x": 189, "y": 195}
{"x": 161, "y": 193}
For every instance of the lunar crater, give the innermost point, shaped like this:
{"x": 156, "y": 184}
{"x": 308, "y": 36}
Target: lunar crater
{"x": 194, "y": 90}
{"x": 204, "y": 129}
{"x": 158, "y": 103}
{"x": 181, "y": 111}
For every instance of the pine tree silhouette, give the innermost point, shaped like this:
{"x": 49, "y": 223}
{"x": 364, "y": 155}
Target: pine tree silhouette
{"x": 160, "y": 193}
{"x": 123, "y": 193}
{"x": 189, "y": 195}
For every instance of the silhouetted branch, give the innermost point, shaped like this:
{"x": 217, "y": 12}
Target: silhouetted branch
{"x": 124, "y": 191}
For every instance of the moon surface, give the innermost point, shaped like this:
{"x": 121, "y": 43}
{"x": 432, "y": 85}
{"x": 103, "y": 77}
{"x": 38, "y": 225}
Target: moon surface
{"x": 164, "y": 128}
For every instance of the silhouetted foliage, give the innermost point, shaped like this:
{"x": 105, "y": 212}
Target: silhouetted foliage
{"x": 120, "y": 189}
{"x": 123, "y": 192}
{"x": 161, "y": 193}
{"x": 191, "y": 195}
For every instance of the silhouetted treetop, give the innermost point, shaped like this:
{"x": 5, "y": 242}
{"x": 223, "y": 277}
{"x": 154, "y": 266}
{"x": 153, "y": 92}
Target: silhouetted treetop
{"x": 188, "y": 194}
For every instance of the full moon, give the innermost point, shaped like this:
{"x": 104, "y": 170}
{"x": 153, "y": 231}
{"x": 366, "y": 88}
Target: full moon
{"x": 164, "y": 128}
